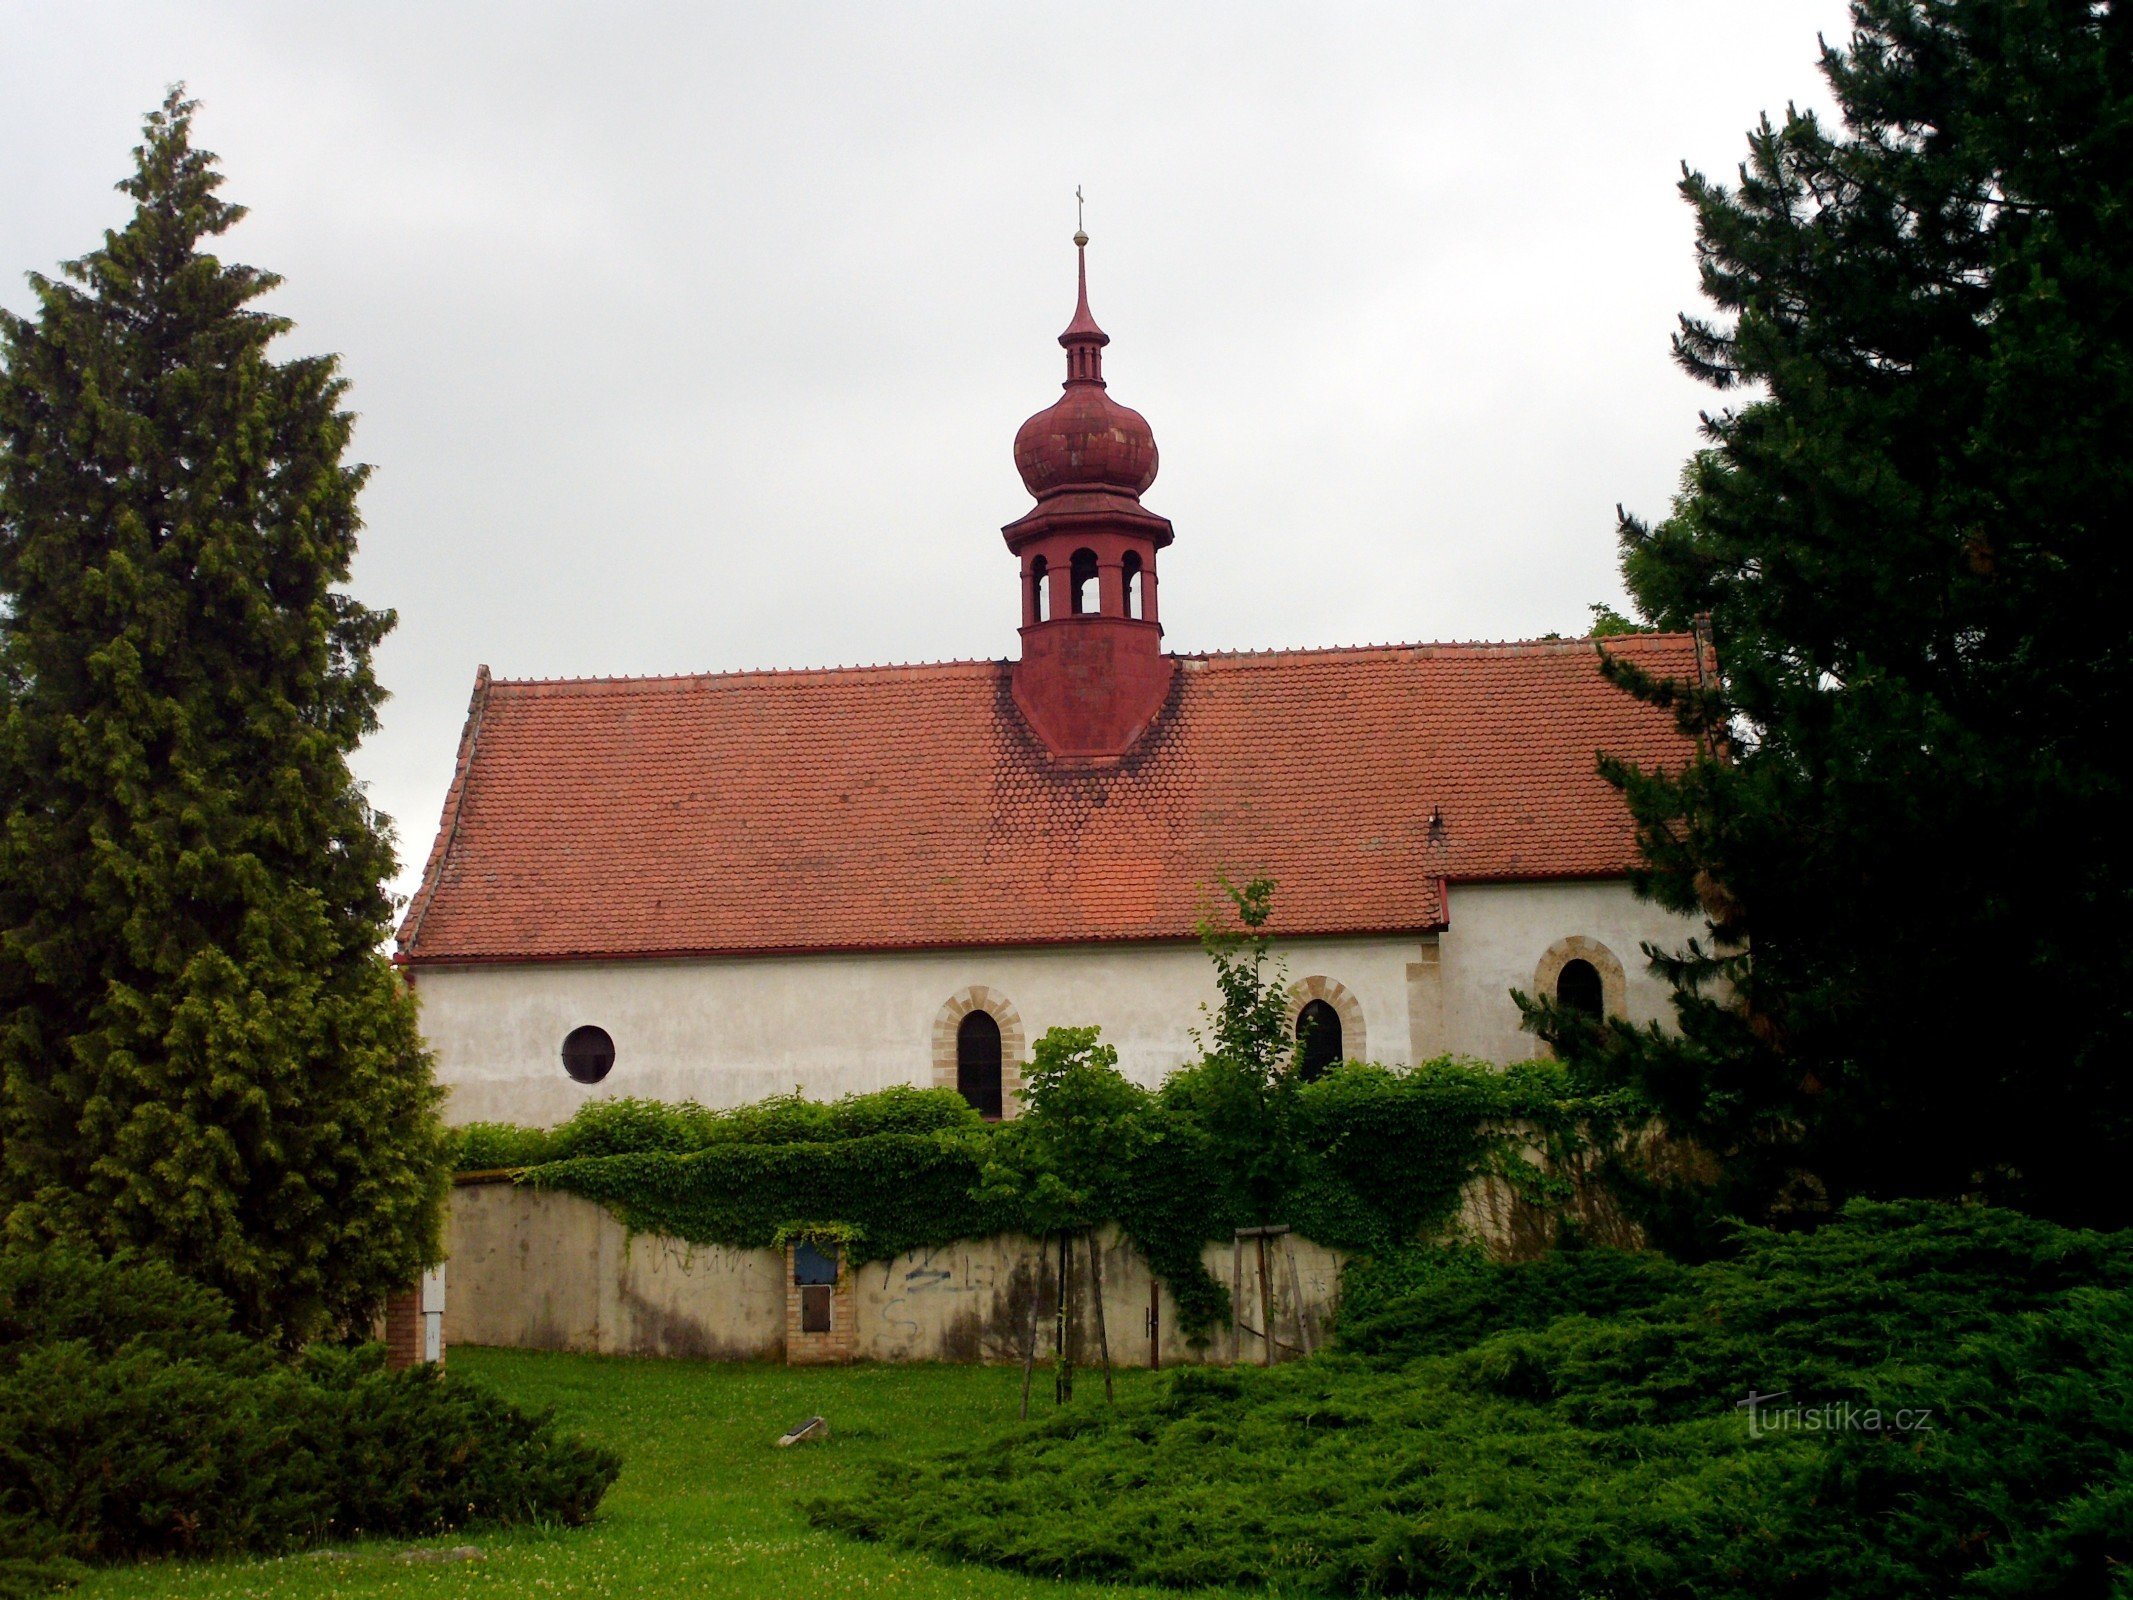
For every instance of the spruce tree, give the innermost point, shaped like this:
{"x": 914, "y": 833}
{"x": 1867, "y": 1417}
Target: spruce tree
{"x": 1911, "y": 533}
{"x": 203, "y": 1052}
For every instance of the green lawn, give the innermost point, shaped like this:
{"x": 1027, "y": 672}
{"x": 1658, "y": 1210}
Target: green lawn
{"x": 705, "y": 1506}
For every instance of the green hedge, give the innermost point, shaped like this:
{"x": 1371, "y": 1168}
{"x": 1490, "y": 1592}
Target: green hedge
{"x": 897, "y": 1191}
{"x": 134, "y": 1423}
{"x": 628, "y": 1126}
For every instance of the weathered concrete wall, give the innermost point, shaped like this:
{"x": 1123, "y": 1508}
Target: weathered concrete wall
{"x": 972, "y": 1301}
{"x": 728, "y": 1031}
{"x": 549, "y": 1271}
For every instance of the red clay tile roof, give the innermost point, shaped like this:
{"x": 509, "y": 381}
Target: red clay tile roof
{"x": 907, "y": 807}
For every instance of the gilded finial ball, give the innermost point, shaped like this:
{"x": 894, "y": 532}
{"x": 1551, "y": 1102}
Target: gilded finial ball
{"x": 1080, "y": 238}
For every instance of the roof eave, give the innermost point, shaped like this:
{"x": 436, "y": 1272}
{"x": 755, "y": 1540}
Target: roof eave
{"x": 915, "y": 947}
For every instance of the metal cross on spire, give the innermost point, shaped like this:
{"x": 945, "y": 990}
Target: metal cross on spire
{"x": 1081, "y": 237}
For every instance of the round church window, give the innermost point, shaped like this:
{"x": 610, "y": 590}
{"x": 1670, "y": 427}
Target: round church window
{"x": 588, "y": 1054}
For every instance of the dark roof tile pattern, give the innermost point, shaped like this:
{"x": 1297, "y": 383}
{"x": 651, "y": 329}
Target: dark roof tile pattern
{"x": 911, "y": 807}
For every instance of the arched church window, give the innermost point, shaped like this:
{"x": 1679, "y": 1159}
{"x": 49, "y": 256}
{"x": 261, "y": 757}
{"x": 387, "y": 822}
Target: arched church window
{"x": 1039, "y": 571}
{"x": 588, "y": 1054}
{"x": 1081, "y": 579}
{"x": 1318, "y": 1033}
{"x": 1578, "y": 988}
{"x": 977, "y": 1063}
{"x": 1131, "y": 572}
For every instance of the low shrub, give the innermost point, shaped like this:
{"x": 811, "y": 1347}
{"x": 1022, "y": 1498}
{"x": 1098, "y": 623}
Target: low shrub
{"x": 1961, "y": 1385}
{"x": 1422, "y": 1302}
{"x": 134, "y": 1423}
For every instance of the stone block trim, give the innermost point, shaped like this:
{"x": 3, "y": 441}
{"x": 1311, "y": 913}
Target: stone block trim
{"x": 1013, "y": 1043}
{"x": 1614, "y": 982}
{"x": 1354, "y": 1041}
{"x": 1426, "y": 1036}
{"x": 803, "y": 1349}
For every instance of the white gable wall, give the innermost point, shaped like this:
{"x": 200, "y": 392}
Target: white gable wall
{"x": 730, "y": 1030}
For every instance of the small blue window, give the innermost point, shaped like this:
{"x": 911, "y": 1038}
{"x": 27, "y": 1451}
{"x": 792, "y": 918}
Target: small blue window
{"x": 813, "y": 1264}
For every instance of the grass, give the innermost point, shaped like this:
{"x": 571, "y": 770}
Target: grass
{"x": 706, "y": 1506}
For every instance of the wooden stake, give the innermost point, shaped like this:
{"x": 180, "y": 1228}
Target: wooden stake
{"x": 1096, "y": 1289}
{"x": 1063, "y": 1378}
{"x": 1303, "y": 1327}
{"x": 1266, "y": 1307}
{"x": 1155, "y": 1323}
{"x": 1236, "y": 1298}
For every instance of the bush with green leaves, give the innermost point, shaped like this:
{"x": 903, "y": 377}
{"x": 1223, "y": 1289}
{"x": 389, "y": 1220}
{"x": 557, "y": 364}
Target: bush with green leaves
{"x": 1963, "y": 1385}
{"x": 134, "y": 1422}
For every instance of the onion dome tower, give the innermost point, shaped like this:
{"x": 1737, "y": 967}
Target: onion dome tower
{"x": 1092, "y": 674}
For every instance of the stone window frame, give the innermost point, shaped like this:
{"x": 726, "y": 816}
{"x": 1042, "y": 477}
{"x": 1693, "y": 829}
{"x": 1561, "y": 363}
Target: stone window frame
{"x": 1002, "y": 1010}
{"x": 1614, "y": 981}
{"x": 1354, "y": 1040}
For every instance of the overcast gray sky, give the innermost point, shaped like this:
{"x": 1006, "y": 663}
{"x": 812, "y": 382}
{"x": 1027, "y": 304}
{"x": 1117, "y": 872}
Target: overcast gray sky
{"x": 695, "y": 337}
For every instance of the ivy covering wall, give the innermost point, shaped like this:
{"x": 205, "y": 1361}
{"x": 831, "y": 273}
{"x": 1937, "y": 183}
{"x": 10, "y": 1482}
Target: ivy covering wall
{"x": 1363, "y": 1159}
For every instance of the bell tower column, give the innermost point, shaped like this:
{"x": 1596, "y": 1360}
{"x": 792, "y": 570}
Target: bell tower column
{"x": 1092, "y": 674}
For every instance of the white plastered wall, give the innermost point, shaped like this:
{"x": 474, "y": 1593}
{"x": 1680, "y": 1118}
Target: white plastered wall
{"x": 728, "y": 1031}
{"x": 1499, "y": 933}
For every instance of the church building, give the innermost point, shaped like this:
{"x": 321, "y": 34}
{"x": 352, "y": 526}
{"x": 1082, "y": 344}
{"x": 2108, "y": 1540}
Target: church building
{"x": 729, "y": 885}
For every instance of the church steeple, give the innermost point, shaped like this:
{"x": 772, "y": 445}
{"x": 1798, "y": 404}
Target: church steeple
{"x": 1092, "y": 674}
{"x": 1084, "y": 341}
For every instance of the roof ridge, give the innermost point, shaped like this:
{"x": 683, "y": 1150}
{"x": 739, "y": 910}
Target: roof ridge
{"x": 652, "y": 679}
{"x": 1478, "y": 646}
{"x": 967, "y": 663}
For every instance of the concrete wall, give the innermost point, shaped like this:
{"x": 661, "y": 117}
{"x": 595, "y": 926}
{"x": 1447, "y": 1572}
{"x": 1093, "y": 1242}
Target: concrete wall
{"x": 733, "y": 1030}
{"x": 550, "y": 1271}
{"x": 545, "y": 1271}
